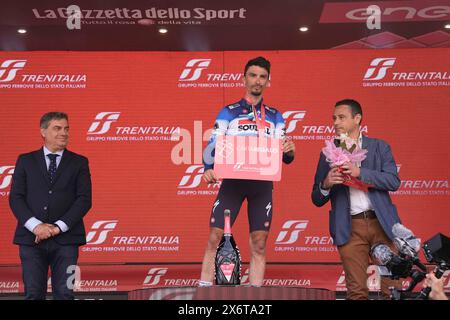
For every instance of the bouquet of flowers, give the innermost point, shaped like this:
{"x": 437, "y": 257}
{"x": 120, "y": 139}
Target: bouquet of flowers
{"x": 347, "y": 151}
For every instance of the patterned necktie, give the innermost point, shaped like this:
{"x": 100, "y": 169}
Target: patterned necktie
{"x": 52, "y": 166}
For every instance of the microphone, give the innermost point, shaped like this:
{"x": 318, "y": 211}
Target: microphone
{"x": 407, "y": 244}
{"x": 381, "y": 254}
{"x": 405, "y": 241}
{"x": 384, "y": 256}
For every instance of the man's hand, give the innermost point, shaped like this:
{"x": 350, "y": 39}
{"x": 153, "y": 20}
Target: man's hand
{"x": 44, "y": 231}
{"x": 55, "y": 230}
{"x": 289, "y": 147}
{"x": 351, "y": 169}
{"x": 436, "y": 285}
{"x": 333, "y": 177}
{"x": 209, "y": 176}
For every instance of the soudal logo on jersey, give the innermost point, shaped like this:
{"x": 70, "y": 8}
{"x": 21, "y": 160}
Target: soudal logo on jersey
{"x": 248, "y": 125}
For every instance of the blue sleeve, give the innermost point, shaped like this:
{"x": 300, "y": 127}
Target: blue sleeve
{"x": 220, "y": 128}
{"x": 280, "y": 132}
{"x": 317, "y": 197}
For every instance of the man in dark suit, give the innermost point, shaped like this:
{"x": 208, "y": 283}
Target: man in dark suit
{"x": 50, "y": 194}
{"x": 358, "y": 220}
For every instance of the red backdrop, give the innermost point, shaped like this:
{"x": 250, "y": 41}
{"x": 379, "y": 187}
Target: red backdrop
{"x": 146, "y": 208}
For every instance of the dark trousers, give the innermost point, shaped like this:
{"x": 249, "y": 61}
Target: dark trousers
{"x": 37, "y": 259}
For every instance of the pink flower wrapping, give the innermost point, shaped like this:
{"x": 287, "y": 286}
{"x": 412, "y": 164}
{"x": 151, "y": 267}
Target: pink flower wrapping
{"x": 337, "y": 156}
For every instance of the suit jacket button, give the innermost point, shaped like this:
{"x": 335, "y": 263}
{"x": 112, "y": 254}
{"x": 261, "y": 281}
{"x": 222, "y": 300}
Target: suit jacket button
{"x": 45, "y": 208}
{"x": 50, "y": 192}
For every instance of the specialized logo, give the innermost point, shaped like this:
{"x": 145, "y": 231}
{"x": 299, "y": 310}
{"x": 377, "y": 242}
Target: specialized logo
{"x": 103, "y": 122}
{"x": 154, "y": 276}
{"x": 215, "y": 205}
{"x": 292, "y": 229}
{"x": 269, "y": 207}
{"x": 291, "y": 118}
{"x": 193, "y": 176}
{"x": 9, "y": 68}
{"x": 6, "y": 172}
{"x": 378, "y": 68}
{"x": 194, "y": 69}
{"x": 100, "y": 230}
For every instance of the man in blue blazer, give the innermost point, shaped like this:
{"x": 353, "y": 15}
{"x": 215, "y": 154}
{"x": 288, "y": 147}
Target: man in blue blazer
{"x": 50, "y": 195}
{"x": 357, "y": 219}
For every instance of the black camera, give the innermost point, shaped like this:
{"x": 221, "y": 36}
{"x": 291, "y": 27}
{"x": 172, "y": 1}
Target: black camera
{"x": 437, "y": 251}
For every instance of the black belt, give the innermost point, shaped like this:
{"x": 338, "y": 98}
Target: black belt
{"x": 369, "y": 214}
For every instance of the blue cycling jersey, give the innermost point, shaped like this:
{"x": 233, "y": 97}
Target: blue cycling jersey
{"x": 238, "y": 120}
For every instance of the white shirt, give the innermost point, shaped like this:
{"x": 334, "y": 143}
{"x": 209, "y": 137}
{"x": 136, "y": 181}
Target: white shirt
{"x": 34, "y": 222}
{"x": 359, "y": 200}
{"x": 47, "y": 159}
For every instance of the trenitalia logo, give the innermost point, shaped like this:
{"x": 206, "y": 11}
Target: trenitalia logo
{"x": 377, "y": 76}
{"x": 9, "y": 68}
{"x": 292, "y": 229}
{"x": 100, "y": 230}
{"x": 245, "y": 277}
{"x": 7, "y": 171}
{"x": 418, "y": 187}
{"x": 194, "y": 76}
{"x": 378, "y": 68}
{"x": 291, "y": 118}
{"x": 9, "y": 78}
{"x": 194, "y": 69}
{"x": 9, "y": 286}
{"x": 154, "y": 276}
{"x": 99, "y": 130}
{"x": 103, "y": 122}
{"x": 193, "y": 177}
